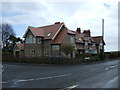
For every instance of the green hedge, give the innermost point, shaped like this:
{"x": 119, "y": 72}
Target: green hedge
{"x": 8, "y": 57}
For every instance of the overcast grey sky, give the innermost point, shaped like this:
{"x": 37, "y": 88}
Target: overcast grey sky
{"x": 87, "y": 14}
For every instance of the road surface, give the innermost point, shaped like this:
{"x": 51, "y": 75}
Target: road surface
{"x": 94, "y": 75}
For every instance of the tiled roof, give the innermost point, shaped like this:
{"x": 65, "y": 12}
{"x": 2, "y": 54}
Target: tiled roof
{"x": 81, "y": 37}
{"x": 37, "y": 31}
{"x": 60, "y": 36}
{"x": 97, "y": 39}
{"x": 48, "y": 32}
{"x": 20, "y": 46}
{"x": 71, "y": 32}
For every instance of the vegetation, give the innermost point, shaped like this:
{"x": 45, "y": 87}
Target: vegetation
{"x": 9, "y": 38}
{"x": 67, "y": 49}
{"x": 8, "y": 57}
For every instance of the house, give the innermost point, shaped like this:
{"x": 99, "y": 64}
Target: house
{"x": 47, "y": 40}
{"x": 19, "y": 50}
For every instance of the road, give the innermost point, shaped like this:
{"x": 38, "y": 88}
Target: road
{"x": 94, "y": 75}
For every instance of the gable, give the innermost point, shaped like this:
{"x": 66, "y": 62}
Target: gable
{"x": 48, "y": 32}
{"x": 60, "y": 36}
{"x": 28, "y": 31}
{"x": 16, "y": 48}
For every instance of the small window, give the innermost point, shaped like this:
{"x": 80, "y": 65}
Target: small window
{"x": 86, "y": 43}
{"x": 55, "y": 47}
{"x": 93, "y": 44}
{"x": 34, "y": 40}
{"x": 79, "y": 39}
{"x": 33, "y": 52}
{"x": 29, "y": 52}
{"x": 101, "y": 44}
{"x": 38, "y": 40}
{"x": 30, "y": 39}
{"x": 72, "y": 39}
{"x": 39, "y": 52}
{"x": 49, "y": 34}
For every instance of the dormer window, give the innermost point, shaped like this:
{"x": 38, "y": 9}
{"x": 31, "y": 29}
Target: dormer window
{"x": 79, "y": 39}
{"x": 49, "y": 34}
{"x": 86, "y": 43}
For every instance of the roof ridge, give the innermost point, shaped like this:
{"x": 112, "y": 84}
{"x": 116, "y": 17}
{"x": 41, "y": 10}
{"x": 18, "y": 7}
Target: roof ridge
{"x": 49, "y": 25}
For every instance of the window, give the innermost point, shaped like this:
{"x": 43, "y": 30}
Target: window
{"x": 33, "y": 52}
{"x": 39, "y": 52}
{"x": 93, "y": 44}
{"x": 27, "y": 52}
{"x": 49, "y": 34}
{"x": 86, "y": 51}
{"x": 79, "y": 39}
{"x": 101, "y": 44}
{"x": 55, "y": 47}
{"x": 34, "y": 39}
{"x": 72, "y": 39}
{"x": 38, "y": 40}
{"x": 27, "y": 40}
{"x": 86, "y": 43}
{"x": 30, "y": 39}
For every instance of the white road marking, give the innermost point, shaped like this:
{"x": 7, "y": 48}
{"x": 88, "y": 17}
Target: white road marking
{"x": 111, "y": 67}
{"x": 44, "y": 78}
{"x": 113, "y": 80}
{"x": 69, "y": 88}
{"x": 3, "y": 82}
{"x": 26, "y": 80}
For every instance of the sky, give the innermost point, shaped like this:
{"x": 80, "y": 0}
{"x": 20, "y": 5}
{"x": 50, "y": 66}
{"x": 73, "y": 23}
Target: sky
{"x": 86, "y": 14}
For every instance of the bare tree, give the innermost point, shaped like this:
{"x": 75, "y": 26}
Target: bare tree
{"x": 7, "y": 31}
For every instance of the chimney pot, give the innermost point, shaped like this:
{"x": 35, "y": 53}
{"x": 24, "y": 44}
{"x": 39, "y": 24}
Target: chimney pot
{"x": 78, "y": 30}
{"x": 57, "y": 22}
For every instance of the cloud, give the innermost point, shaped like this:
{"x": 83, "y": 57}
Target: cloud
{"x": 85, "y": 14}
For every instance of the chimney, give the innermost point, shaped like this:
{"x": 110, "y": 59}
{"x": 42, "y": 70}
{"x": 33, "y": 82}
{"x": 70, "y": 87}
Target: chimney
{"x": 57, "y": 22}
{"x": 78, "y": 30}
{"x": 87, "y": 32}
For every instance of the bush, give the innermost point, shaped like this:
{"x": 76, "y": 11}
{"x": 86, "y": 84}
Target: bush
{"x": 8, "y": 57}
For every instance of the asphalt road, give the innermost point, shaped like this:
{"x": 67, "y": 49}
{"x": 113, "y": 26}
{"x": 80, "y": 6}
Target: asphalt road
{"x": 95, "y": 75}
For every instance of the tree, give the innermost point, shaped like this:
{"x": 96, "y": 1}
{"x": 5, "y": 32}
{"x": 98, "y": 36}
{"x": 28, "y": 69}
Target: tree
{"x": 7, "y": 31}
{"x": 67, "y": 49}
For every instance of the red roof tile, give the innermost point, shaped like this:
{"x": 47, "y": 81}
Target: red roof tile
{"x": 71, "y": 32}
{"x": 37, "y": 31}
{"x": 97, "y": 39}
{"x": 20, "y": 46}
{"x": 60, "y": 36}
{"x": 52, "y": 30}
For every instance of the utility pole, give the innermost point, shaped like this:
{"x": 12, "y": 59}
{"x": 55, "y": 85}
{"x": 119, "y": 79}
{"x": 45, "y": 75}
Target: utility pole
{"x": 103, "y": 38}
